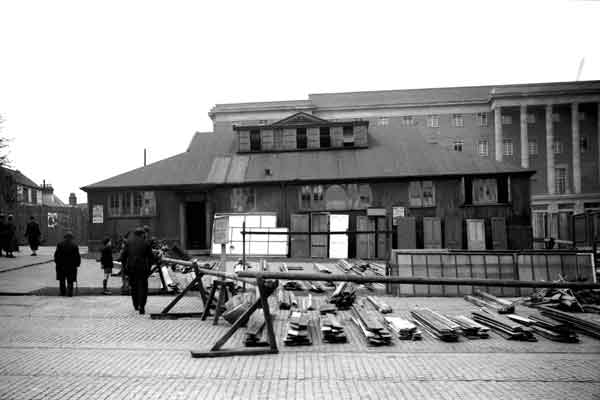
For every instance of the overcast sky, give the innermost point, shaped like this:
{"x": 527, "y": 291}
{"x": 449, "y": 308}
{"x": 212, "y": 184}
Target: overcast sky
{"x": 85, "y": 86}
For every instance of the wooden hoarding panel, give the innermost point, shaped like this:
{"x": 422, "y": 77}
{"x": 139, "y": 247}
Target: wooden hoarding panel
{"x": 299, "y": 243}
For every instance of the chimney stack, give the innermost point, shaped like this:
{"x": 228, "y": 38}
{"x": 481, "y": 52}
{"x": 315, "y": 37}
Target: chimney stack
{"x": 72, "y": 199}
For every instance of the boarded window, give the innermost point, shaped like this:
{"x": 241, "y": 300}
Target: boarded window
{"x": 348, "y": 136}
{"x": 126, "y": 208}
{"x": 485, "y": 191}
{"x": 324, "y": 137}
{"x": 114, "y": 208}
{"x": 243, "y": 199}
{"x": 255, "y": 140}
{"x": 428, "y": 194}
{"x": 137, "y": 203}
{"x": 305, "y": 195}
{"x": 301, "y": 140}
{"x": 415, "y": 194}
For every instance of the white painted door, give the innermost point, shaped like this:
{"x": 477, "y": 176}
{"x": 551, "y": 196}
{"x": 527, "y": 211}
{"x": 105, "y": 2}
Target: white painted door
{"x": 338, "y": 244}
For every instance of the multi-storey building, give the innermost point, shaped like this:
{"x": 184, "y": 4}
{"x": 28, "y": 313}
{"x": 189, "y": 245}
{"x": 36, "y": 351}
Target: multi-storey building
{"x": 553, "y": 128}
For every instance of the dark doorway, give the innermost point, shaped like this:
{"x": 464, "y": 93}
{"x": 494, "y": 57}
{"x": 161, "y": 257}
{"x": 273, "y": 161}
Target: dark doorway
{"x": 195, "y": 221}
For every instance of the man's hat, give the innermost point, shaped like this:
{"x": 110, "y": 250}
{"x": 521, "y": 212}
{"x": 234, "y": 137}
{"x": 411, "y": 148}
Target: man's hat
{"x": 68, "y": 234}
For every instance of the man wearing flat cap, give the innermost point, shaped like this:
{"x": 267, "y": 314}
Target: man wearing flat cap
{"x": 67, "y": 259}
{"x": 137, "y": 254}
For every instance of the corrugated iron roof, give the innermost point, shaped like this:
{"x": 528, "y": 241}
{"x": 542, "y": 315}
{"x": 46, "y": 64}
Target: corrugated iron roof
{"x": 392, "y": 153}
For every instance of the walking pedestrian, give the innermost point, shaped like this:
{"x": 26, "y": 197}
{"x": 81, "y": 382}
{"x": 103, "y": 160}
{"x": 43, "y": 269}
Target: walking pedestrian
{"x": 3, "y": 232}
{"x": 67, "y": 259}
{"x": 33, "y": 234}
{"x": 138, "y": 255}
{"x": 123, "y": 272}
{"x": 106, "y": 260}
{"x": 10, "y": 241}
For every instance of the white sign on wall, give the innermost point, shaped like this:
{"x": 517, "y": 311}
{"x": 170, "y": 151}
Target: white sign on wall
{"x": 98, "y": 214}
{"x": 52, "y": 220}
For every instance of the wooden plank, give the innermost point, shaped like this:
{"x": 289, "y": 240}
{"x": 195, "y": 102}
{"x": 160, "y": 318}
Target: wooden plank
{"x": 432, "y": 233}
{"x": 475, "y": 234}
{"x": 453, "y": 232}
{"x": 299, "y": 243}
{"x": 318, "y": 243}
{"x": 382, "y": 249}
{"x": 499, "y": 241}
{"x": 407, "y": 233}
{"x": 266, "y": 139}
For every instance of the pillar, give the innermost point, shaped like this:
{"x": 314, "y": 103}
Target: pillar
{"x": 549, "y": 150}
{"x": 498, "y": 133}
{"x": 524, "y": 138}
{"x": 182, "y": 226}
{"x": 576, "y": 149}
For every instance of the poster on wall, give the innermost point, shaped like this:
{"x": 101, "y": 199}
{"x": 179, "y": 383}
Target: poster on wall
{"x": 52, "y": 220}
{"x": 221, "y": 230}
{"x": 397, "y": 212}
{"x": 98, "y": 214}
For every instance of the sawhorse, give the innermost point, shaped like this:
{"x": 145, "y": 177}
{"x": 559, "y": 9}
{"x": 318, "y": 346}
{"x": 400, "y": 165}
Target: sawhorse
{"x": 195, "y": 283}
{"x": 226, "y": 290}
{"x": 265, "y": 289}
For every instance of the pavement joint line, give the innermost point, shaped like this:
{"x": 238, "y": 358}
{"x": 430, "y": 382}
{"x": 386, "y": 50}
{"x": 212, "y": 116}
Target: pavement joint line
{"x": 102, "y": 348}
{"x": 358, "y": 378}
{"x": 25, "y": 266}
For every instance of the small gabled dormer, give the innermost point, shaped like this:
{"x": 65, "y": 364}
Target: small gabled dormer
{"x": 302, "y": 131}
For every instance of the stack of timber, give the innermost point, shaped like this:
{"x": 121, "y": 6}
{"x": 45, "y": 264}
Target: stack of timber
{"x": 307, "y": 303}
{"x": 332, "y": 330}
{"x": 238, "y": 305}
{"x": 343, "y": 296}
{"x": 294, "y": 285}
{"x": 327, "y": 308}
{"x": 563, "y": 299}
{"x": 375, "y": 268}
{"x": 379, "y": 305}
{"x": 587, "y": 323}
{"x": 284, "y": 299}
{"x": 298, "y": 332}
{"x": 504, "y": 326}
{"x": 471, "y": 329}
{"x": 374, "y": 332}
{"x": 316, "y": 287}
{"x": 352, "y": 268}
{"x": 547, "y": 328}
{"x": 405, "y": 329}
{"x": 484, "y": 299}
{"x": 436, "y": 324}
{"x": 254, "y": 333}
{"x": 322, "y": 268}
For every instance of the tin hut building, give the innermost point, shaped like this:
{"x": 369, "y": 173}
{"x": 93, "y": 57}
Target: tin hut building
{"x": 331, "y": 163}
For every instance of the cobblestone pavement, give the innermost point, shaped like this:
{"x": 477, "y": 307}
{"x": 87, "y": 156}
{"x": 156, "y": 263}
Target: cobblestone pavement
{"x": 98, "y": 348}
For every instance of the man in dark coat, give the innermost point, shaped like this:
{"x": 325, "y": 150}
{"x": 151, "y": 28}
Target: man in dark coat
{"x": 137, "y": 255}
{"x": 3, "y": 232}
{"x": 33, "y": 234}
{"x": 10, "y": 240}
{"x": 67, "y": 259}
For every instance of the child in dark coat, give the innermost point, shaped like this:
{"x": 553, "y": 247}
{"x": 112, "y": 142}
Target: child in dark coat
{"x": 106, "y": 260}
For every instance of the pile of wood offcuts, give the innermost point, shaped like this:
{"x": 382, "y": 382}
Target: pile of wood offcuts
{"x": 298, "y": 332}
{"x": 373, "y": 331}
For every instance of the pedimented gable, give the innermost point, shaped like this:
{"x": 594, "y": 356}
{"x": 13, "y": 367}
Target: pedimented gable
{"x": 300, "y": 118}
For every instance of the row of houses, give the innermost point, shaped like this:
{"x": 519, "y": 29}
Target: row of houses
{"x": 23, "y": 198}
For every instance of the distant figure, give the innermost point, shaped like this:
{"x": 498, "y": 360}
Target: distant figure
{"x": 138, "y": 255}
{"x": 106, "y": 260}
{"x": 10, "y": 242}
{"x": 33, "y": 234}
{"x": 123, "y": 272}
{"x": 67, "y": 259}
{"x": 3, "y": 233}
